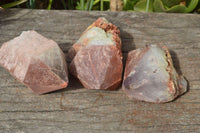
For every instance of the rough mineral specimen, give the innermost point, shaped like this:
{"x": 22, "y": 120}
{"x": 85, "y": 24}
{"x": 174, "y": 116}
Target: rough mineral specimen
{"x": 35, "y": 61}
{"x": 97, "y": 60}
{"x": 101, "y": 32}
{"x": 150, "y": 76}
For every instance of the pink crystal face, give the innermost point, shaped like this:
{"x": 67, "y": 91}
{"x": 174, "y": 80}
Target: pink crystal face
{"x": 35, "y": 61}
{"x": 101, "y": 32}
{"x": 150, "y": 76}
{"x": 98, "y": 67}
{"x": 96, "y": 56}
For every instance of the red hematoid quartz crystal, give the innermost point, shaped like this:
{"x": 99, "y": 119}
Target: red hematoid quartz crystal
{"x": 96, "y": 56}
{"x": 35, "y": 61}
{"x": 150, "y": 76}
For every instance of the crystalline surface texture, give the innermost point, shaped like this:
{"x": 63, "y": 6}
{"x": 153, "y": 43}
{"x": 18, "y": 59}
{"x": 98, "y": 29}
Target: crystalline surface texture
{"x": 150, "y": 76}
{"x": 35, "y": 61}
{"x": 101, "y": 32}
{"x": 97, "y": 58}
{"x": 98, "y": 67}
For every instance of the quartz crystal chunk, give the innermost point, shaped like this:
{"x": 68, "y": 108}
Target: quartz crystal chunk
{"x": 150, "y": 75}
{"x": 35, "y": 61}
{"x": 97, "y": 58}
{"x": 101, "y": 32}
{"x": 98, "y": 67}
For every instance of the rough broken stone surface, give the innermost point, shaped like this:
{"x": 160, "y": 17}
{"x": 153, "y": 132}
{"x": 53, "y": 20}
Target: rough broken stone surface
{"x": 35, "y": 61}
{"x": 97, "y": 58}
{"x": 101, "y": 32}
{"x": 150, "y": 76}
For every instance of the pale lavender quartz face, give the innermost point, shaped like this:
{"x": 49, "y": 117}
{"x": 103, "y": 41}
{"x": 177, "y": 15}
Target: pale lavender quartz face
{"x": 150, "y": 76}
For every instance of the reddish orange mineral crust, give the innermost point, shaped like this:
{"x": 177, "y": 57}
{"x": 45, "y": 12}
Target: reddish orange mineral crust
{"x": 150, "y": 76}
{"x": 107, "y": 27}
{"x": 97, "y": 57}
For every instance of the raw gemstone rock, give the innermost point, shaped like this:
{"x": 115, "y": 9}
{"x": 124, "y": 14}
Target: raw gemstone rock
{"x": 97, "y": 58}
{"x": 98, "y": 67}
{"x": 35, "y": 61}
{"x": 150, "y": 76}
{"x": 101, "y": 32}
